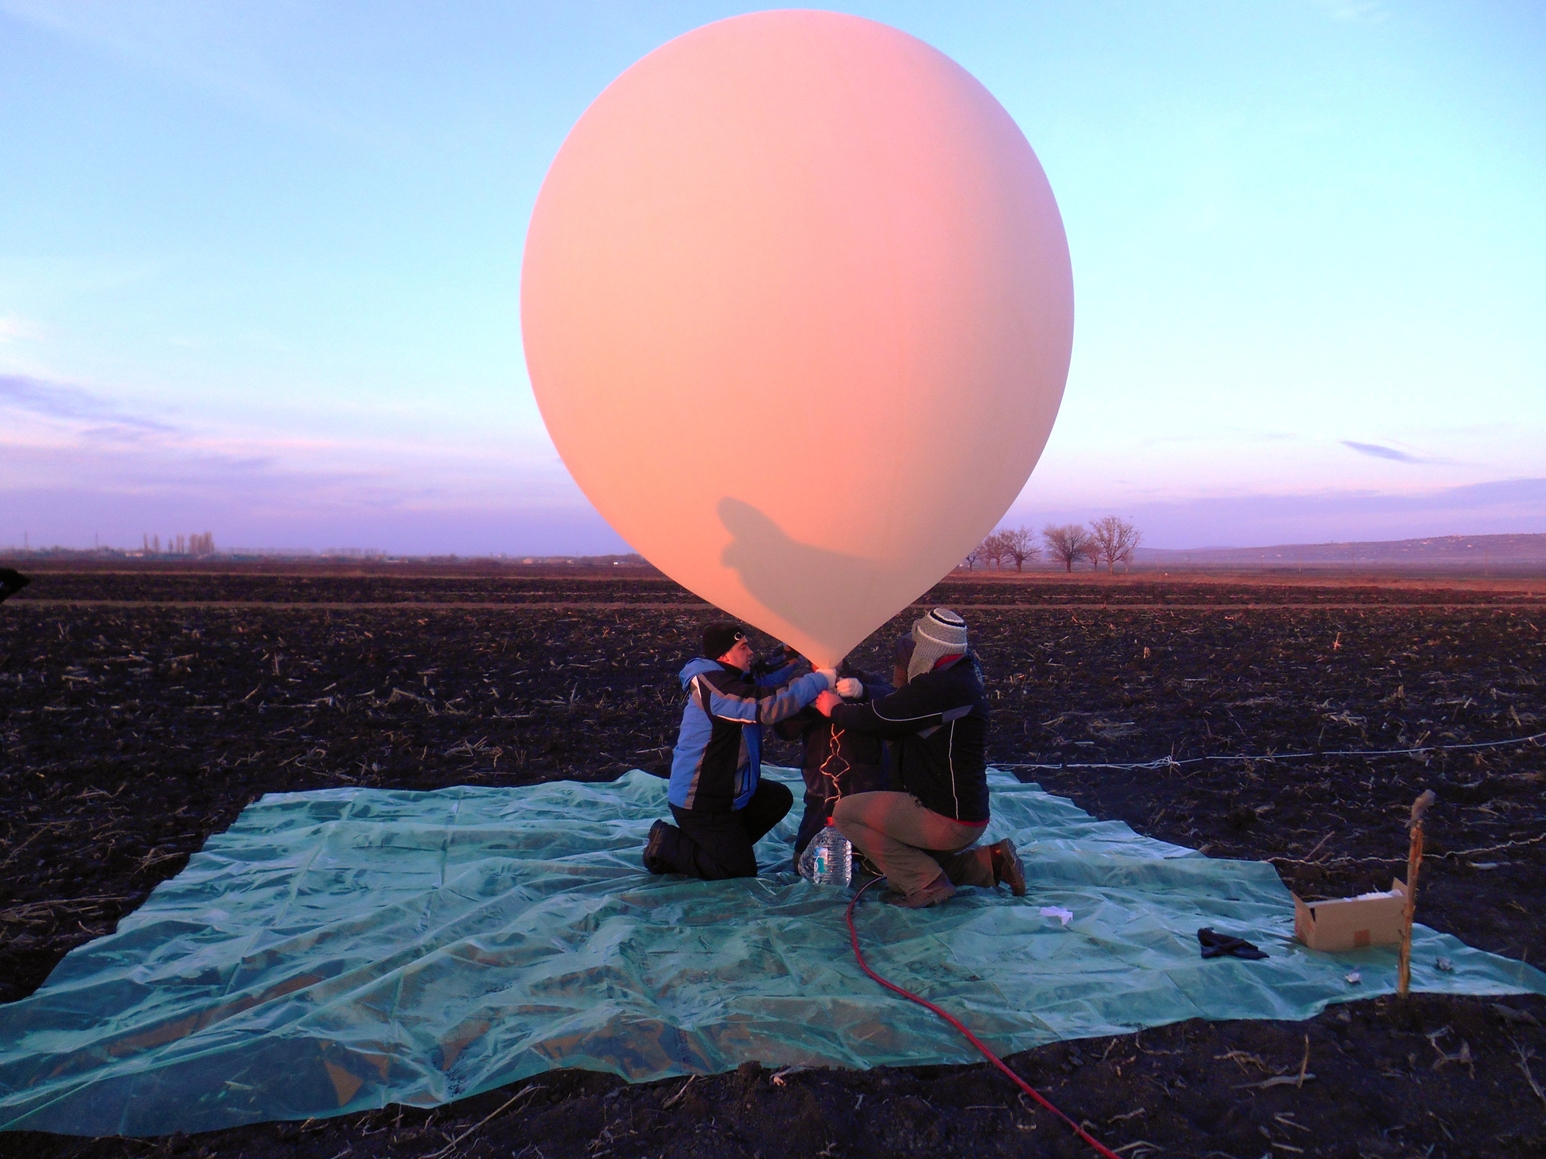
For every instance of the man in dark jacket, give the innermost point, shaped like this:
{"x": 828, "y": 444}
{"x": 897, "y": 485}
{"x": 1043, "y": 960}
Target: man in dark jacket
{"x": 921, "y": 836}
{"x": 837, "y": 763}
{"x": 721, "y": 804}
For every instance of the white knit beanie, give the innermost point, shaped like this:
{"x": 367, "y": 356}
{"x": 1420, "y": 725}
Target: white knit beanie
{"x": 939, "y": 634}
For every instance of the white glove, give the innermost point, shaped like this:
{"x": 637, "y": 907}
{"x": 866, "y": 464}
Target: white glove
{"x": 849, "y": 688}
{"x": 829, "y": 675}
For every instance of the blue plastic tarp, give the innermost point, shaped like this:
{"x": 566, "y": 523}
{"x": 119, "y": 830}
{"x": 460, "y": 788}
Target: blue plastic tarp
{"x": 340, "y": 950}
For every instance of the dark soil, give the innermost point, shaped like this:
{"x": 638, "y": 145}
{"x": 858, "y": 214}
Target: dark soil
{"x": 480, "y": 582}
{"x": 113, "y": 713}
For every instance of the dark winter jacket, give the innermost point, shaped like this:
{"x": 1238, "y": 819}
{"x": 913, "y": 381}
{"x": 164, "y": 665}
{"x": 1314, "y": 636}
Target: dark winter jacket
{"x": 845, "y": 762}
{"x": 938, "y": 727}
{"x": 836, "y": 763}
{"x": 718, "y": 757}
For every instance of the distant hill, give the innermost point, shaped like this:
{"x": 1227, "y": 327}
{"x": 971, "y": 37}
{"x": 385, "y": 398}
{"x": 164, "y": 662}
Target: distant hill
{"x": 1445, "y": 551}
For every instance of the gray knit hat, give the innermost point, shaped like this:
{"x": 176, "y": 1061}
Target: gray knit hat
{"x": 939, "y": 634}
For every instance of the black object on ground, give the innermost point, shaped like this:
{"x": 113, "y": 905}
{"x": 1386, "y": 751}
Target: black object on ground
{"x": 11, "y": 582}
{"x": 1224, "y": 946}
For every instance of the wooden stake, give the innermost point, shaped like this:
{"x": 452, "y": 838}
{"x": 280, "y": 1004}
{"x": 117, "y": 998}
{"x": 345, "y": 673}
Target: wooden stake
{"x": 1414, "y": 860}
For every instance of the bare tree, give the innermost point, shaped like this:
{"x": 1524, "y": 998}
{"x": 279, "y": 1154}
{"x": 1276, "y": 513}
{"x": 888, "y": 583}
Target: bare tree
{"x": 1019, "y": 545}
{"x": 972, "y": 557}
{"x": 992, "y": 549}
{"x": 1116, "y": 540}
{"x": 1130, "y": 549}
{"x": 1066, "y": 543}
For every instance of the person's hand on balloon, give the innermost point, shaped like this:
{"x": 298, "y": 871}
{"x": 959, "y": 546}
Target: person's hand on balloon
{"x": 826, "y": 702}
{"x": 829, "y": 675}
{"x": 850, "y": 688}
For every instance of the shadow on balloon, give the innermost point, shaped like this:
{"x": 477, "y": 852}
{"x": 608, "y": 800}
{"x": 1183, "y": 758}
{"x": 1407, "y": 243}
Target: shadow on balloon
{"x": 820, "y": 592}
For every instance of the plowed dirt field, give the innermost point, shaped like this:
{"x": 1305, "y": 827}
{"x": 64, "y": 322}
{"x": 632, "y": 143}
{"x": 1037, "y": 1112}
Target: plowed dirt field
{"x": 141, "y": 710}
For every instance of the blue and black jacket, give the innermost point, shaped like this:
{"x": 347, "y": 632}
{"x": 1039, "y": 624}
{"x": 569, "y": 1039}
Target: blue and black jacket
{"x": 718, "y": 757}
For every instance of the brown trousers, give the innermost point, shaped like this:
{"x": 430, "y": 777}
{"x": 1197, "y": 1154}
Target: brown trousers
{"x": 911, "y": 844}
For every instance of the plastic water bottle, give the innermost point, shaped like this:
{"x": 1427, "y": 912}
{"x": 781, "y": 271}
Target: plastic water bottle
{"x": 828, "y": 859}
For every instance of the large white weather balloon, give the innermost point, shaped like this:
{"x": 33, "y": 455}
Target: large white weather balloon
{"x": 797, "y": 310}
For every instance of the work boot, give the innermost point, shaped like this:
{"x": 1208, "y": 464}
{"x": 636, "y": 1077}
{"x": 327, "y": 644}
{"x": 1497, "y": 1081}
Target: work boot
{"x": 1007, "y": 867}
{"x": 935, "y": 892}
{"x": 655, "y": 848}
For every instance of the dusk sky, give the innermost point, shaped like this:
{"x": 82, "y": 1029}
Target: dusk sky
{"x": 260, "y": 264}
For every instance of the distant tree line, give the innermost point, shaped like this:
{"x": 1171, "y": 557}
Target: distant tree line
{"x": 198, "y": 544}
{"x": 1110, "y": 540}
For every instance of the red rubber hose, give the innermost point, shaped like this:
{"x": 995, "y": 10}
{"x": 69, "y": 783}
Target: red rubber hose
{"x": 853, "y": 934}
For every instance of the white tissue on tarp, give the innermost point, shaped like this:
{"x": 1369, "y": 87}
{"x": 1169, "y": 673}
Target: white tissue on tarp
{"x": 1056, "y": 911}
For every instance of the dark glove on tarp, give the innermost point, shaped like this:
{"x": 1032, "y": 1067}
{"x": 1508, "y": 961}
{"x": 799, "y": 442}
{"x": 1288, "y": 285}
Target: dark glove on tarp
{"x": 1223, "y": 946}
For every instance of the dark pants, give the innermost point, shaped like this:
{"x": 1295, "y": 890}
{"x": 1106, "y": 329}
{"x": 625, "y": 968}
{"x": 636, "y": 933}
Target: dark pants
{"x": 715, "y": 845}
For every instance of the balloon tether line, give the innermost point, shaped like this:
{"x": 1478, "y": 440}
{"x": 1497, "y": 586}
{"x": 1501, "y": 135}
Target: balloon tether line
{"x": 853, "y": 935}
{"x": 833, "y": 753}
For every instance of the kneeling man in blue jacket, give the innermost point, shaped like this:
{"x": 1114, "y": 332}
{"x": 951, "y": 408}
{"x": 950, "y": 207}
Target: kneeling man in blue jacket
{"x": 721, "y": 804}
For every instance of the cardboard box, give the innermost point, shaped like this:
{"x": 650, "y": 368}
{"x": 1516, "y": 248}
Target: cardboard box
{"x": 1351, "y": 923}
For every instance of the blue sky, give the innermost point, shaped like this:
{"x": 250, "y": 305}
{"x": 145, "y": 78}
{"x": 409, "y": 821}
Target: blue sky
{"x": 259, "y": 264}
